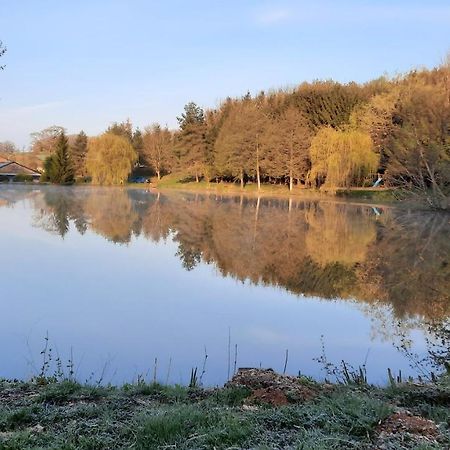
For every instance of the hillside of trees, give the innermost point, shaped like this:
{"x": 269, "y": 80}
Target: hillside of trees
{"x": 319, "y": 134}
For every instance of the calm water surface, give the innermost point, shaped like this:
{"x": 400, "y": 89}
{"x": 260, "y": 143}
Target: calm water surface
{"x": 124, "y": 276}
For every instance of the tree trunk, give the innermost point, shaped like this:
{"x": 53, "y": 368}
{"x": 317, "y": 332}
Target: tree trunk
{"x": 196, "y": 177}
{"x": 158, "y": 174}
{"x": 258, "y": 177}
{"x": 291, "y": 178}
{"x": 242, "y": 179}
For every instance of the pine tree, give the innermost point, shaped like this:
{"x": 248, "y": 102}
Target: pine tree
{"x": 58, "y": 167}
{"x": 124, "y": 129}
{"x": 193, "y": 115}
{"x": 78, "y": 153}
{"x": 191, "y": 141}
{"x": 138, "y": 144}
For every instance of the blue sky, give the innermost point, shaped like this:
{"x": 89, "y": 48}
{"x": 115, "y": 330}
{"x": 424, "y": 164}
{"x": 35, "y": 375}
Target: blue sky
{"x": 83, "y": 64}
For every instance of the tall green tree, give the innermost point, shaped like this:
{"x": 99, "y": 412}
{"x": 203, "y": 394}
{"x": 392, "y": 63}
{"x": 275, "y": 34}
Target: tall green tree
{"x": 58, "y": 167}
{"x": 191, "y": 141}
{"x": 138, "y": 143}
{"x": 78, "y": 151}
{"x": 192, "y": 115}
{"x": 124, "y": 129}
{"x": 327, "y": 103}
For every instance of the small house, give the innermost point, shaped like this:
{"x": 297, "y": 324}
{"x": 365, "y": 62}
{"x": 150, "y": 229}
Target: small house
{"x": 13, "y": 171}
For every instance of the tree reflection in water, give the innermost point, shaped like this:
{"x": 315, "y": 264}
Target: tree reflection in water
{"x": 385, "y": 256}
{"x": 316, "y": 248}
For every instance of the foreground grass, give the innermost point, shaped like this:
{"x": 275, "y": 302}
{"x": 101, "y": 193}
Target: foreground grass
{"x": 68, "y": 415}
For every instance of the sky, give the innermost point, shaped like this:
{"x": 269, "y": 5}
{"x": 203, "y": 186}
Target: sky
{"x": 87, "y": 63}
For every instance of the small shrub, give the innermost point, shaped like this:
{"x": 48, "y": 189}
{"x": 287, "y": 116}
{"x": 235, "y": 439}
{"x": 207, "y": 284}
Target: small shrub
{"x": 13, "y": 420}
{"x": 59, "y": 392}
{"x": 233, "y": 396}
{"x": 157, "y": 391}
{"x": 23, "y": 178}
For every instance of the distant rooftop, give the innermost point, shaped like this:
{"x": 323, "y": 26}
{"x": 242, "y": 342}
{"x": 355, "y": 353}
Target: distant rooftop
{"x": 12, "y": 168}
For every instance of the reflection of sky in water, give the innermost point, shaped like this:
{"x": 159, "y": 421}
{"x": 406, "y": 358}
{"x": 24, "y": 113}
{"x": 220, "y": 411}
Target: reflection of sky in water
{"x": 127, "y": 304}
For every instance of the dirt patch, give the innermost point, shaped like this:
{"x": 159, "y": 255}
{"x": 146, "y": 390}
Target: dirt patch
{"x": 270, "y": 396}
{"x": 405, "y": 422}
{"x": 406, "y": 429}
{"x": 272, "y": 388}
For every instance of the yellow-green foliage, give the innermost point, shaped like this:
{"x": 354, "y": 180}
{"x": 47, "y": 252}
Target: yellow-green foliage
{"x": 342, "y": 158}
{"x": 110, "y": 159}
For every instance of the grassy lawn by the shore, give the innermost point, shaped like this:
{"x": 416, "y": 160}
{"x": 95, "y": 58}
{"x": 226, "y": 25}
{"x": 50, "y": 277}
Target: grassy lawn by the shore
{"x": 290, "y": 413}
{"x": 176, "y": 181}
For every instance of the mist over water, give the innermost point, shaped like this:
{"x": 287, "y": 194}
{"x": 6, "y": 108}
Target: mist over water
{"x": 123, "y": 276}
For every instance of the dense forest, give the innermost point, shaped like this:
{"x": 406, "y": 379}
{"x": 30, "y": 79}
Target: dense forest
{"x": 322, "y": 134}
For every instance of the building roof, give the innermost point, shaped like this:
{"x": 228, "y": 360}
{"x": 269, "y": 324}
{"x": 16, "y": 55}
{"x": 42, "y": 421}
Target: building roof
{"x": 14, "y": 168}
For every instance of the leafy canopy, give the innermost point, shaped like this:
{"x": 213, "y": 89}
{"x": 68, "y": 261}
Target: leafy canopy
{"x": 110, "y": 159}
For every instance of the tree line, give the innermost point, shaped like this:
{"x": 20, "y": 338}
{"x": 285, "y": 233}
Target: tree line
{"x": 320, "y": 134}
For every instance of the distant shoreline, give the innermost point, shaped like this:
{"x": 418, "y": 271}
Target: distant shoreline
{"x": 383, "y": 197}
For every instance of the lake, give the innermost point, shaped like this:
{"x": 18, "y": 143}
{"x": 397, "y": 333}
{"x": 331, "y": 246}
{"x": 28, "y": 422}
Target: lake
{"x": 135, "y": 283}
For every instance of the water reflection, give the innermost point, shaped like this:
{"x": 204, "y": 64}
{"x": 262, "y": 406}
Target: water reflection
{"x": 312, "y": 248}
{"x": 376, "y": 256}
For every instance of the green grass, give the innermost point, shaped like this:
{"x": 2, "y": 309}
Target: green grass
{"x": 193, "y": 426}
{"x": 183, "y": 182}
{"x": 379, "y": 195}
{"x": 68, "y": 415}
{"x": 164, "y": 394}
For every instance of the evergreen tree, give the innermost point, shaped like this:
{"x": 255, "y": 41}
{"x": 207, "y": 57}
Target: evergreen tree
{"x": 191, "y": 142}
{"x": 124, "y": 129}
{"x": 138, "y": 143}
{"x": 193, "y": 115}
{"x": 78, "y": 153}
{"x": 58, "y": 167}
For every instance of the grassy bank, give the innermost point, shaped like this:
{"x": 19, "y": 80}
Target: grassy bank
{"x": 176, "y": 182}
{"x": 263, "y": 411}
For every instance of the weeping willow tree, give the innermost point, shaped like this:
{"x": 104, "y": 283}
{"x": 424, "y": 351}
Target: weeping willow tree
{"x": 111, "y": 214}
{"x": 110, "y": 159}
{"x": 342, "y": 158}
